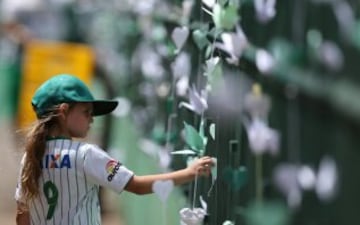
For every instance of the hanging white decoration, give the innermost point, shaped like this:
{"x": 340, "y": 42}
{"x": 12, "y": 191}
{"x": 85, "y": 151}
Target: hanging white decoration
{"x": 192, "y": 216}
{"x": 234, "y": 44}
{"x": 163, "y": 188}
{"x": 291, "y": 180}
{"x": 198, "y": 103}
{"x": 265, "y": 10}
{"x": 327, "y": 178}
{"x": 181, "y": 66}
{"x": 179, "y": 36}
{"x": 265, "y": 62}
{"x": 262, "y": 138}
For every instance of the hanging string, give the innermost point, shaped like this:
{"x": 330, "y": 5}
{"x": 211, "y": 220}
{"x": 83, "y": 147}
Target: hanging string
{"x": 195, "y": 191}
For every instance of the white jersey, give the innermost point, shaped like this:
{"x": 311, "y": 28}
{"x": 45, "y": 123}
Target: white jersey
{"x": 72, "y": 172}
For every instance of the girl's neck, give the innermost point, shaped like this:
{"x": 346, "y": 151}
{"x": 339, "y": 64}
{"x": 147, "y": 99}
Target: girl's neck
{"x": 57, "y": 133}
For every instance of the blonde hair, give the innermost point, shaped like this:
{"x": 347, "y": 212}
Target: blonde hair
{"x": 35, "y": 146}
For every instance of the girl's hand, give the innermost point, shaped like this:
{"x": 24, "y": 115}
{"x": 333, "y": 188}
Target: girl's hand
{"x": 201, "y": 167}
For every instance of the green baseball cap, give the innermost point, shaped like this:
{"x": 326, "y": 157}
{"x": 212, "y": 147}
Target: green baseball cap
{"x": 65, "y": 88}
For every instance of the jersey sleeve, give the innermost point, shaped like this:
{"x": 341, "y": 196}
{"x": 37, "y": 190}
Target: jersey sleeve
{"x": 18, "y": 190}
{"x": 104, "y": 170}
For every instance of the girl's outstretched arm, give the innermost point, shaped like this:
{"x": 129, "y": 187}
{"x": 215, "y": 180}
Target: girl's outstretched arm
{"x": 143, "y": 184}
{"x": 22, "y": 214}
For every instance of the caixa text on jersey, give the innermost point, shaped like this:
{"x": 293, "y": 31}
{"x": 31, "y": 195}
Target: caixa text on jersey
{"x": 114, "y": 171}
{"x": 55, "y": 161}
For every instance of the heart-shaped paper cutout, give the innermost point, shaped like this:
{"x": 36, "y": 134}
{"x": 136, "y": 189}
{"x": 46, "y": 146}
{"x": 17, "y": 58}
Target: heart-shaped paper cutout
{"x": 163, "y": 188}
{"x": 200, "y": 39}
{"x": 237, "y": 178}
{"x": 179, "y": 36}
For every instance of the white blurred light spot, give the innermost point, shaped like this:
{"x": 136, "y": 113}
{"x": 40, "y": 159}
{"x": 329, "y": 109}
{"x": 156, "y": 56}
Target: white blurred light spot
{"x": 123, "y": 108}
{"x": 327, "y": 179}
{"x": 331, "y": 56}
{"x": 163, "y": 90}
{"x": 264, "y": 61}
{"x": 306, "y": 178}
{"x": 182, "y": 86}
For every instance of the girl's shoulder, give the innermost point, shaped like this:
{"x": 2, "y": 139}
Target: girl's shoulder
{"x": 72, "y": 145}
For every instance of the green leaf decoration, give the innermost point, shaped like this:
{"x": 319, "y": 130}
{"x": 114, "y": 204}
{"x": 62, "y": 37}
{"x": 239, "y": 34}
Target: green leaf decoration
{"x": 266, "y": 213}
{"x": 237, "y": 178}
{"x": 200, "y": 39}
{"x": 193, "y": 139}
{"x": 225, "y": 18}
{"x": 212, "y": 130}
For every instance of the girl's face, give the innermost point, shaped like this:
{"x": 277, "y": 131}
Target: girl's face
{"x": 78, "y": 119}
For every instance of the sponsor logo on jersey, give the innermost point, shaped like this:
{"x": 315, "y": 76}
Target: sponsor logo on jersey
{"x": 112, "y": 168}
{"x": 55, "y": 161}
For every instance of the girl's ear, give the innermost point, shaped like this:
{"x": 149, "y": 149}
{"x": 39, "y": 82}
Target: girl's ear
{"x": 63, "y": 110}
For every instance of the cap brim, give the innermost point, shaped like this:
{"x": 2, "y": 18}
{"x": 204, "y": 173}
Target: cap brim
{"x": 103, "y": 107}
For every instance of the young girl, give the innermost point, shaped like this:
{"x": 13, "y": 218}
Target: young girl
{"x": 60, "y": 177}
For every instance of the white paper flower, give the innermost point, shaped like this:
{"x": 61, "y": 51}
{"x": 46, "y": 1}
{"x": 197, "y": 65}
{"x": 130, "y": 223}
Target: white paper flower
{"x": 198, "y": 103}
{"x": 192, "y": 216}
{"x": 265, "y": 10}
{"x": 262, "y": 138}
{"x": 234, "y": 44}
